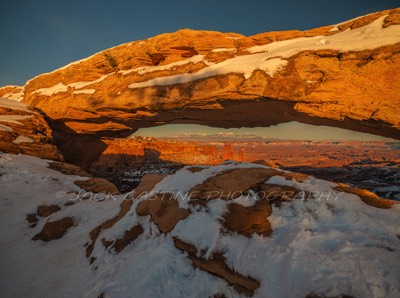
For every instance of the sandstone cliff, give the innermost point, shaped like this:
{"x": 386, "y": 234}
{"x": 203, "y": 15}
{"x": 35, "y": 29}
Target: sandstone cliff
{"x": 23, "y": 130}
{"x": 344, "y": 75}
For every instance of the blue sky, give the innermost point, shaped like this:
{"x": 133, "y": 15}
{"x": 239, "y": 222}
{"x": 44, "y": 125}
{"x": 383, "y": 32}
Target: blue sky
{"x": 43, "y": 35}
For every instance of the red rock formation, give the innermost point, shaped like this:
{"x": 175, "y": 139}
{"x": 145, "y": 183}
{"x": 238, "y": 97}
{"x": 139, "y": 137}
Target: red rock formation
{"x": 12, "y": 92}
{"x": 26, "y": 133}
{"x": 54, "y": 229}
{"x": 164, "y": 211}
{"x": 356, "y": 87}
{"x": 141, "y": 151}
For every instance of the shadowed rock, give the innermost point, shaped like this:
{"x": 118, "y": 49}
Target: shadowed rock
{"x": 54, "y": 229}
{"x": 218, "y": 267}
{"x": 164, "y": 211}
{"x": 129, "y": 236}
{"x": 249, "y": 220}
{"x": 47, "y": 210}
{"x": 230, "y": 184}
{"x": 146, "y": 185}
{"x": 68, "y": 169}
{"x": 97, "y": 185}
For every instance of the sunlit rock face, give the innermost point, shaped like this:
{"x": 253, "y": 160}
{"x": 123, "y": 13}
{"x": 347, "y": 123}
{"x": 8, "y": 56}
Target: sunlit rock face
{"x": 345, "y": 75}
{"x": 24, "y": 130}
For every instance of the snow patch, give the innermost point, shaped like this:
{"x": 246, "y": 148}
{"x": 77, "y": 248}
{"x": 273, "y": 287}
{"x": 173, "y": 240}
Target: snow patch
{"x": 50, "y": 91}
{"x": 18, "y": 96}
{"x": 367, "y": 37}
{"x": 272, "y": 57}
{"x": 224, "y": 50}
{"x": 243, "y": 64}
{"x": 14, "y": 118}
{"x": 146, "y": 69}
{"x": 80, "y": 85}
{"x": 336, "y": 26}
{"x": 85, "y": 91}
{"x": 23, "y": 139}
{"x": 14, "y": 105}
{"x": 60, "y": 87}
{"x": 6, "y": 128}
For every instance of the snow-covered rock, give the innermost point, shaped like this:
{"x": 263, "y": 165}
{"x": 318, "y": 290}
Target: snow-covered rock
{"x": 236, "y": 229}
{"x": 24, "y": 130}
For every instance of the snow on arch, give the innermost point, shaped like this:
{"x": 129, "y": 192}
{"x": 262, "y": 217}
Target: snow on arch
{"x": 272, "y": 57}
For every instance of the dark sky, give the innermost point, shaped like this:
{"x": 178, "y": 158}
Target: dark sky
{"x": 41, "y": 35}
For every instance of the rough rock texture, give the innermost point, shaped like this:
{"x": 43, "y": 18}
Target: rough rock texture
{"x": 97, "y": 185}
{"x": 164, "y": 211}
{"x": 367, "y": 197}
{"x": 142, "y": 151}
{"x": 230, "y": 184}
{"x": 12, "y": 92}
{"x": 217, "y": 266}
{"x": 68, "y": 169}
{"x": 249, "y": 220}
{"x": 356, "y": 89}
{"x": 147, "y": 184}
{"x": 129, "y": 236}
{"x": 54, "y": 229}
{"x": 29, "y": 135}
{"x": 47, "y": 210}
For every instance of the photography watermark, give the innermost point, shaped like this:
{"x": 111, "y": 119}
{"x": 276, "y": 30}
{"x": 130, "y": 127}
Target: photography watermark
{"x": 271, "y": 196}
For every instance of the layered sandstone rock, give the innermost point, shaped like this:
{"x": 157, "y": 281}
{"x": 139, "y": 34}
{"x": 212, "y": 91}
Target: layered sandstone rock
{"x": 23, "y": 130}
{"x": 12, "y": 92}
{"x": 345, "y": 75}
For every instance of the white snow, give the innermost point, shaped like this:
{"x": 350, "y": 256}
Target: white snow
{"x": 272, "y": 57}
{"x": 241, "y": 64}
{"x": 336, "y": 26}
{"x": 327, "y": 247}
{"x": 146, "y": 69}
{"x": 367, "y": 37}
{"x": 23, "y": 139}
{"x": 223, "y": 50}
{"x": 14, "y": 118}
{"x": 35, "y": 268}
{"x": 80, "y": 85}
{"x": 18, "y": 96}
{"x": 85, "y": 91}
{"x": 14, "y": 105}
{"x": 5, "y": 128}
{"x": 60, "y": 87}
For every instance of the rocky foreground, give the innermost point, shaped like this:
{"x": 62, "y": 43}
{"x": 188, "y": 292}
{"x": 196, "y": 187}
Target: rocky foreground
{"x": 233, "y": 230}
